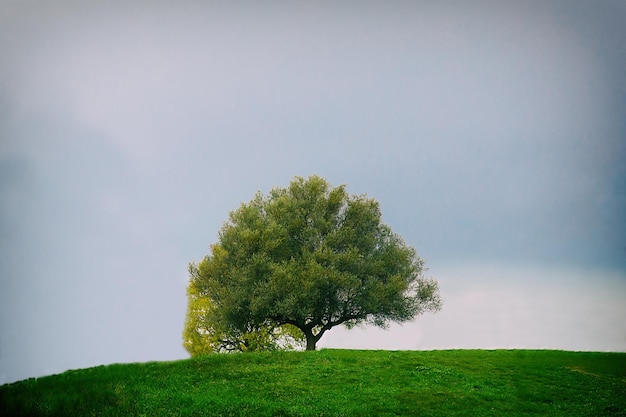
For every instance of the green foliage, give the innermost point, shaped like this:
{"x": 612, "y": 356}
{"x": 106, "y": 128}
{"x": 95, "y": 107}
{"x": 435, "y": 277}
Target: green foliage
{"x": 336, "y": 383}
{"x": 203, "y": 334}
{"x": 313, "y": 257}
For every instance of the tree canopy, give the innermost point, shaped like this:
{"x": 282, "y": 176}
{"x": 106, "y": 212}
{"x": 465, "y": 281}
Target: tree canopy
{"x": 309, "y": 256}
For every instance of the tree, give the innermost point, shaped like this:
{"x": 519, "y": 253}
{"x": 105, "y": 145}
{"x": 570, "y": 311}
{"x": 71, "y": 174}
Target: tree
{"x": 313, "y": 257}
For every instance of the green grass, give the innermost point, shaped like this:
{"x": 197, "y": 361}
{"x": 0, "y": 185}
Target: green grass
{"x": 336, "y": 383}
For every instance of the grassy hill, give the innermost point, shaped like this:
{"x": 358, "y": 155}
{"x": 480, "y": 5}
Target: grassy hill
{"x": 336, "y": 383}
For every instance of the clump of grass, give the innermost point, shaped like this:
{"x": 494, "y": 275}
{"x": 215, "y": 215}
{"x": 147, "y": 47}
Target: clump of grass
{"x": 337, "y": 383}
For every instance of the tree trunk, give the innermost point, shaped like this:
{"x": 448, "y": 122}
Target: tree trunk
{"x": 311, "y": 338}
{"x": 311, "y": 341}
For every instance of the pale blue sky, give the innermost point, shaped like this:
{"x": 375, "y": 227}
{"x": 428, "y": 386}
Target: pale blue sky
{"x": 493, "y": 135}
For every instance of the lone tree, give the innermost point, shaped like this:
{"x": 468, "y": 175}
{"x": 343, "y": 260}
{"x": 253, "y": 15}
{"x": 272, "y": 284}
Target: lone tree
{"x": 312, "y": 257}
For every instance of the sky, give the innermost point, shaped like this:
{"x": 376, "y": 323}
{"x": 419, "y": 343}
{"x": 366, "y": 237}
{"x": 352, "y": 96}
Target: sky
{"x": 493, "y": 135}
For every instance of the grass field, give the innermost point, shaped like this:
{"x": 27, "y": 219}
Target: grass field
{"x": 336, "y": 383}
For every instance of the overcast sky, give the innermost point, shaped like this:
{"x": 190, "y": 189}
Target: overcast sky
{"x": 492, "y": 134}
